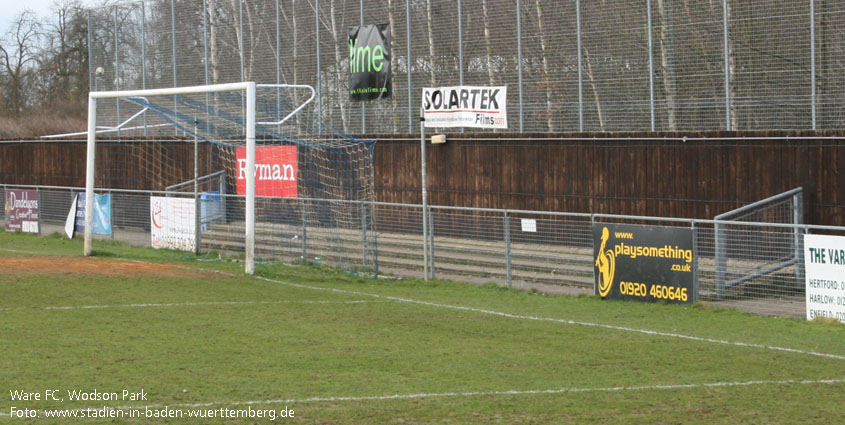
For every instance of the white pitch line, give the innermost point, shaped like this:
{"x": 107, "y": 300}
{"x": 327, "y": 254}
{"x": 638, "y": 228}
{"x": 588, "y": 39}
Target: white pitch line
{"x": 536, "y": 318}
{"x": 17, "y": 251}
{"x": 472, "y": 394}
{"x": 564, "y": 321}
{"x": 189, "y": 304}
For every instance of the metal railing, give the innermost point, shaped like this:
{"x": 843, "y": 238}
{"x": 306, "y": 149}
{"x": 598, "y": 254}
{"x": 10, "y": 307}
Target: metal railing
{"x": 523, "y": 249}
{"x": 787, "y": 207}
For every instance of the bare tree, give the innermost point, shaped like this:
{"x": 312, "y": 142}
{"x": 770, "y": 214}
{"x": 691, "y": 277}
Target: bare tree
{"x": 487, "y": 44}
{"x": 394, "y": 98}
{"x": 667, "y": 63}
{"x": 18, "y": 60}
{"x": 545, "y": 61}
{"x": 63, "y": 63}
{"x": 429, "y": 20}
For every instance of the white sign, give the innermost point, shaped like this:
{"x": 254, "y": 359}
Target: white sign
{"x": 529, "y": 225}
{"x": 824, "y": 268}
{"x": 173, "y": 223}
{"x": 465, "y": 106}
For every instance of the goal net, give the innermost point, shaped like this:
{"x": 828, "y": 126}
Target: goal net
{"x": 238, "y": 169}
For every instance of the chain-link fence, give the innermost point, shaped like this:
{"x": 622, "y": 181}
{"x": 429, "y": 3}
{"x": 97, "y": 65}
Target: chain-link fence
{"x": 524, "y": 249}
{"x": 658, "y": 65}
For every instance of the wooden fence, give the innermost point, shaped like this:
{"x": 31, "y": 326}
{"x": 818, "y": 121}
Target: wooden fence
{"x": 690, "y": 175}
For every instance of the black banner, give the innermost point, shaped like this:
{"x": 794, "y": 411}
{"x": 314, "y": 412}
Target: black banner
{"x": 369, "y": 62}
{"x": 644, "y": 263}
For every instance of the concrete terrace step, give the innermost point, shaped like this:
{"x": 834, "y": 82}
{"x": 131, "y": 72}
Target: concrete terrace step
{"x": 454, "y": 256}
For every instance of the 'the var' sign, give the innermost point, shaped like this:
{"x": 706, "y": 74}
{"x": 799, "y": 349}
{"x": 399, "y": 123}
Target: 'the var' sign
{"x": 275, "y": 171}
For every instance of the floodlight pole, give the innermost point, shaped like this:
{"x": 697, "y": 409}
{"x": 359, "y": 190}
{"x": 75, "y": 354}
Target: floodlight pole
{"x": 424, "y": 198}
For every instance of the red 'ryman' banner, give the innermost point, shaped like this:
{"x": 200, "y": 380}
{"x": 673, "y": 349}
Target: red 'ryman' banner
{"x": 275, "y": 171}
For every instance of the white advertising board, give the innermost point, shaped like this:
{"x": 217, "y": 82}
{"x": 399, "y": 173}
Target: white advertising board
{"x": 466, "y": 106}
{"x": 824, "y": 268}
{"x": 173, "y": 223}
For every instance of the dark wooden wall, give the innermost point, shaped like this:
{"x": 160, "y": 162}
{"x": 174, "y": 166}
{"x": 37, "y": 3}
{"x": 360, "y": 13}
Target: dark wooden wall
{"x": 632, "y": 173}
{"x": 635, "y": 174}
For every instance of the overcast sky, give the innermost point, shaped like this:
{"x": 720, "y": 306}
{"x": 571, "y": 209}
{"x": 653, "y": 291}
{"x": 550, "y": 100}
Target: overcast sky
{"x": 9, "y": 9}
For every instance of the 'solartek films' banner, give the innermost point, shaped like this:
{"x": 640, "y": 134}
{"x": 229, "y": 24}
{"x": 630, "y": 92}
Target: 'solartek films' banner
{"x": 276, "y": 171}
{"x": 369, "y": 62}
{"x": 465, "y": 106}
{"x": 173, "y": 223}
{"x": 644, "y": 263}
{"x": 21, "y": 211}
{"x": 824, "y": 271}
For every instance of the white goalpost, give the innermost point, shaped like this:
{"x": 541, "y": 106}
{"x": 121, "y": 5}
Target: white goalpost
{"x": 248, "y": 90}
{"x": 270, "y": 181}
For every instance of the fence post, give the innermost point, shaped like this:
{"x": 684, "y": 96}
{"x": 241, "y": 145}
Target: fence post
{"x": 364, "y": 104}
{"x": 241, "y": 41}
{"x": 278, "y": 62}
{"x": 173, "y": 56}
{"x": 144, "y": 54}
{"x": 460, "y": 43}
{"x": 813, "y": 62}
{"x": 116, "y": 70}
{"x": 720, "y": 245}
{"x": 651, "y": 65}
{"x": 431, "y": 242}
{"x": 319, "y": 77}
{"x": 508, "y": 250}
{"x": 222, "y": 188}
{"x": 363, "y": 214}
{"x": 797, "y": 238}
{"x": 580, "y": 67}
{"x": 197, "y": 196}
{"x": 694, "y": 294}
{"x": 410, "y": 68}
{"x": 304, "y": 231}
{"x": 40, "y": 222}
{"x": 91, "y": 86}
{"x": 375, "y": 244}
{"x": 519, "y": 62}
{"x": 726, "y": 34}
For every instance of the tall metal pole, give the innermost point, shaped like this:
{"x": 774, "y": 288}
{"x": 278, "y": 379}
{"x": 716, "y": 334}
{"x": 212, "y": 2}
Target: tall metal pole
{"x": 813, "y": 98}
{"x": 651, "y": 65}
{"x": 424, "y": 194}
{"x": 197, "y": 202}
{"x": 580, "y": 67}
{"x": 91, "y": 86}
{"x": 144, "y": 56}
{"x": 173, "y": 55}
{"x": 519, "y": 62}
{"x": 363, "y": 105}
{"x": 205, "y": 62}
{"x": 116, "y": 70}
{"x": 241, "y": 43}
{"x": 319, "y": 78}
{"x": 410, "y": 67}
{"x": 460, "y": 42}
{"x": 726, "y": 35}
{"x": 278, "y": 61}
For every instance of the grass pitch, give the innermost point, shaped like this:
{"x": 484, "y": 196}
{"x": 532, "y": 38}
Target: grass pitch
{"x": 200, "y": 337}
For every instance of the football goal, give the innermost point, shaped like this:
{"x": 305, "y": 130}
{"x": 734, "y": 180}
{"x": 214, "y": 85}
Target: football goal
{"x": 234, "y": 168}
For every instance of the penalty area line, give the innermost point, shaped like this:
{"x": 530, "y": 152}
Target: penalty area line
{"x": 415, "y": 396}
